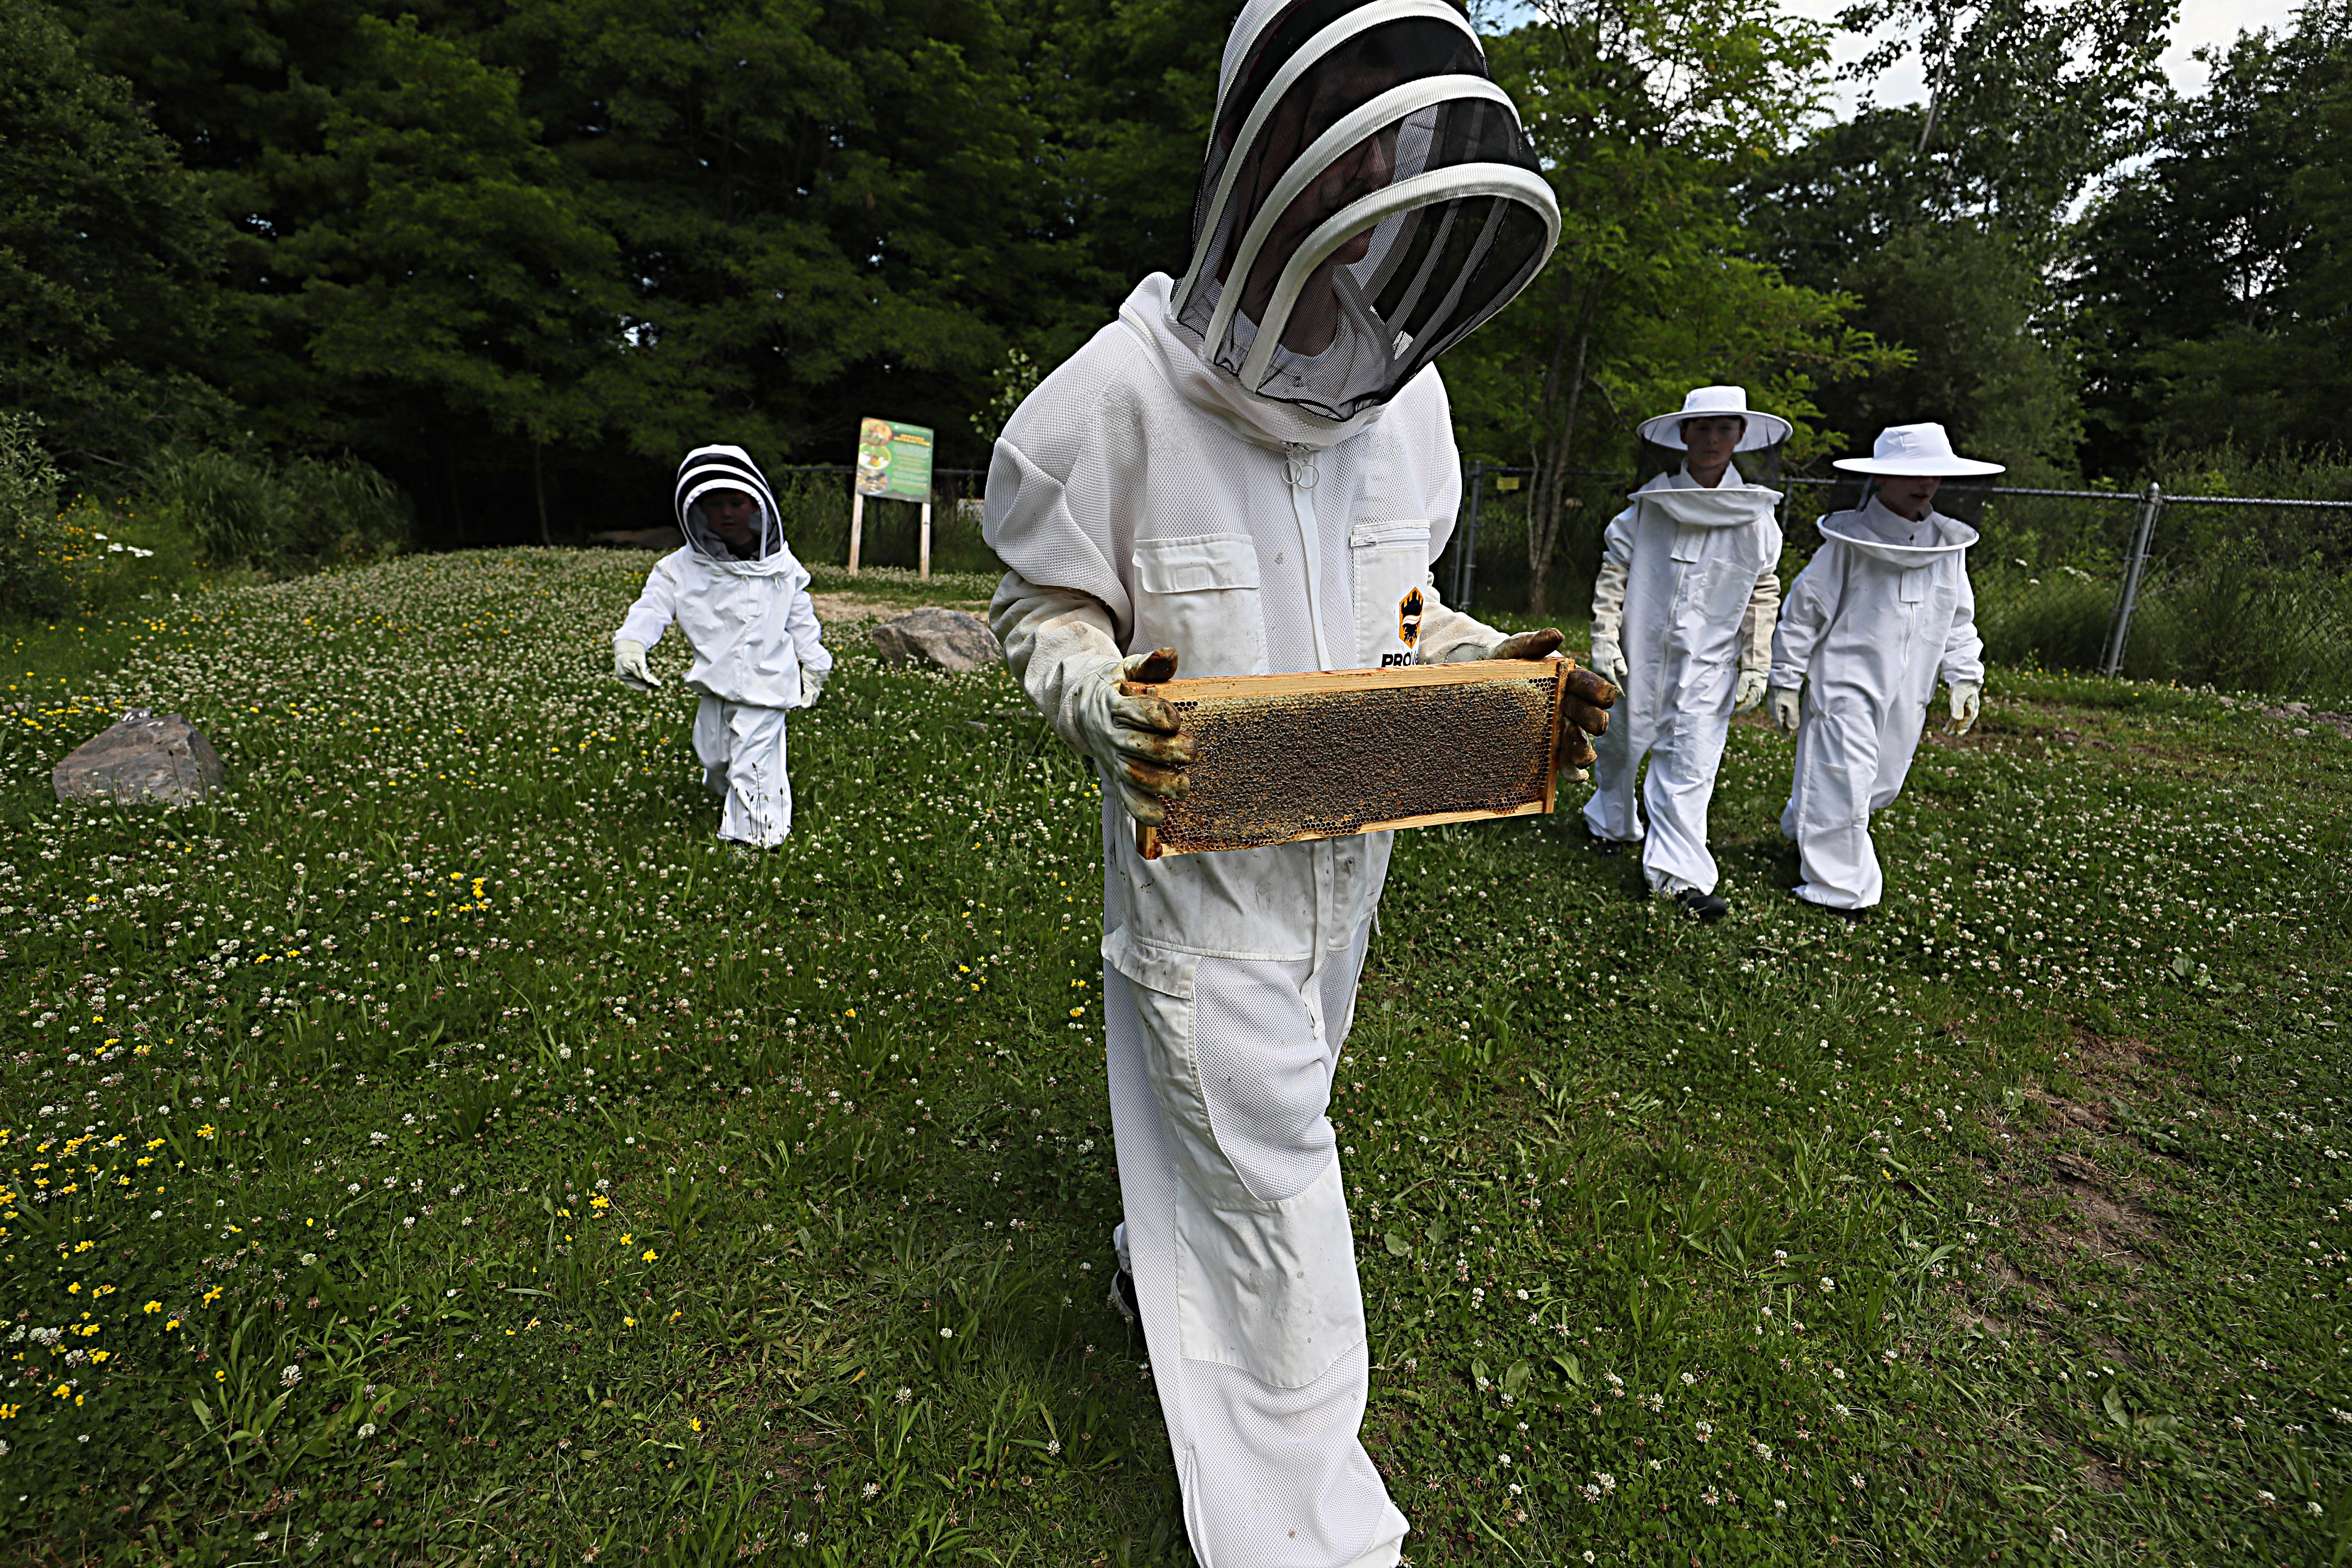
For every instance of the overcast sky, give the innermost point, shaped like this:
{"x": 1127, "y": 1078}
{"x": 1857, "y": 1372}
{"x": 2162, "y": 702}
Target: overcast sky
{"x": 2202, "y": 23}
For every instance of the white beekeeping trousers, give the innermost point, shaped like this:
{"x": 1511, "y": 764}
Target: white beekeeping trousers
{"x": 1237, "y": 1236}
{"x": 1882, "y": 610}
{"x": 742, "y": 749}
{"x": 1687, "y": 590}
{"x": 1138, "y": 504}
{"x": 1686, "y": 752}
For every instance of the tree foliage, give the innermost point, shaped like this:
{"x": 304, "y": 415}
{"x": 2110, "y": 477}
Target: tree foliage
{"x": 1645, "y": 113}
{"x": 2213, "y": 282}
{"x": 1945, "y": 220}
{"x": 525, "y": 252}
{"x": 106, "y": 254}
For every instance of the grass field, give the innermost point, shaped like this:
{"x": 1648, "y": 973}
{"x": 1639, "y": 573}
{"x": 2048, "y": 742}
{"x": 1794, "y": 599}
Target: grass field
{"x": 436, "y": 1150}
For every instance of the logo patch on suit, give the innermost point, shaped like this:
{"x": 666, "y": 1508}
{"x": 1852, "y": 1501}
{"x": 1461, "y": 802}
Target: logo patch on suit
{"x": 1408, "y": 618}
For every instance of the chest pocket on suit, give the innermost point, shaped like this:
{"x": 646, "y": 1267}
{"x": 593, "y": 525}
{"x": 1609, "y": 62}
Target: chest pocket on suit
{"x": 1730, "y": 584}
{"x": 1200, "y": 597}
{"x": 1389, "y": 565}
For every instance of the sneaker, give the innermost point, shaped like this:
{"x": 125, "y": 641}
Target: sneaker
{"x": 1704, "y": 908}
{"x": 1122, "y": 1297}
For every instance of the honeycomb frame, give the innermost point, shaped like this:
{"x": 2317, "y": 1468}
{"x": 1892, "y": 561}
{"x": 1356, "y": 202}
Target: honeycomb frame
{"x": 1283, "y": 758}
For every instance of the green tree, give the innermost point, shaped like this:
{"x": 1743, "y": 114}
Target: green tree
{"x": 1947, "y": 220}
{"x": 107, "y": 255}
{"x": 2212, "y": 284}
{"x": 1645, "y": 113}
{"x": 482, "y": 238}
{"x": 2027, "y": 100}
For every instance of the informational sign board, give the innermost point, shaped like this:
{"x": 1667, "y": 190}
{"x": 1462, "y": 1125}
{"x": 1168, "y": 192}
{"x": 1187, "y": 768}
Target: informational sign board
{"x": 893, "y": 461}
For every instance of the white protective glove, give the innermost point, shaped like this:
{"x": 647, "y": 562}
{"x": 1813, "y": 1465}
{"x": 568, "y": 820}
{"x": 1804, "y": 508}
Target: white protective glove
{"x": 1968, "y": 699}
{"x": 1139, "y": 740}
{"x": 1749, "y": 695}
{"x": 629, "y": 665}
{"x": 1608, "y": 661}
{"x": 811, "y": 686}
{"x": 1786, "y": 706}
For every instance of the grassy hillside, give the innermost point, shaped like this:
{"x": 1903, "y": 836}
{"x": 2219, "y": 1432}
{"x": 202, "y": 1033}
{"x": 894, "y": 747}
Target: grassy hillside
{"x": 436, "y": 1149}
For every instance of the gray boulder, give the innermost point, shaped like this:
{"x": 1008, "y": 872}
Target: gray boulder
{"x": 140, "y": 757}
{"x": 952, "y": 640}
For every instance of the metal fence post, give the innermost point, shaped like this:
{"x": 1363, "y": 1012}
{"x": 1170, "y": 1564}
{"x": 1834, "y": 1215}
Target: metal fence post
{"x": 2151, "y": 507}
{"x": 1465, "y": 566}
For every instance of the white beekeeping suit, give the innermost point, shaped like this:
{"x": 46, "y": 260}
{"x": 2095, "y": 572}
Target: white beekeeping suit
{"x": 1254, "y": 466}
{"x": 1880, "y": 612}
{"x": 1685, "y": 601}
{"x": 744, "y": 610}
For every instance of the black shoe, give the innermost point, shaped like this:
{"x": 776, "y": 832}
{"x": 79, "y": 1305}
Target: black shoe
{"x": 1122, "y": 1297}
{"x": 1610, "y": 849}
{"x": 1851, "y": 917}
{"x": 1704, "y": 908}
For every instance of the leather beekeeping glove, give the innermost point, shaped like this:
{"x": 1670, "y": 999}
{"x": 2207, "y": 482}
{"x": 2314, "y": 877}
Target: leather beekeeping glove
{"x": 811, "y": 686}
{"x": 1968, "y": 701}
{"x": 1786, "y": 706}
{"x": 1134, "y": 734}
{"x": 1584, "y": 713}
{"x": 1749, "y": 695}
{"x": 1584, "y": 708}
{"x": 629, "y": 665}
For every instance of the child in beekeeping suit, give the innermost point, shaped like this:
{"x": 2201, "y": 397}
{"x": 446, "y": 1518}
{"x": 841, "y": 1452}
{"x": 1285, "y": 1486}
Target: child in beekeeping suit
{"x": 741, "y": 601}
{"x": 1870, "y": 623}
{"x": 1682, "y": 619}
{"x": 1249, "y": 472}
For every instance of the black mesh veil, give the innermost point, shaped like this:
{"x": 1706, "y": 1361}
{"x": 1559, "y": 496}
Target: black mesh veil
{"x": 1962, "y": 501}
{"x": 1759, "y": 465}
{"x": 708, "y": 469}
{"x": 1369, "y": 199}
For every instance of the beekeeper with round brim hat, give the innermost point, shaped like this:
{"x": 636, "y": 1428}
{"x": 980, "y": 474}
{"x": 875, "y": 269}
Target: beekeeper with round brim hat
{"x": 1876, "y": 617}
{"x": 1682, "y": 619}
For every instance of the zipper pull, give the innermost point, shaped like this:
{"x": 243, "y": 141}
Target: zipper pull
{"x": 1298, "y": 465}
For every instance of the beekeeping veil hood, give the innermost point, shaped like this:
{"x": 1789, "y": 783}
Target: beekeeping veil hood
{"x": 709, "y": 469}
{"x": 1369, "y": 199}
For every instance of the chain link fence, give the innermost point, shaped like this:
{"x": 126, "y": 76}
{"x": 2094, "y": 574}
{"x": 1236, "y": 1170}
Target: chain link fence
{"x": 2241, "y": 593}
{"x": 2244, "y": 593}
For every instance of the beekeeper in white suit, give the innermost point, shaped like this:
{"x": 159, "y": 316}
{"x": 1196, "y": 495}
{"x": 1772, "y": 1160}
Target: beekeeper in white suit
{"x": 740, "y": 598}
{"x": 1250, "y": 472}
{"x": 1879, "y": 612}
{"x": 1682, "y": 619}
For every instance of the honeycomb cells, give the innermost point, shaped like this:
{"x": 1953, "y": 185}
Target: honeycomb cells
{"x": 1276, "y": 768}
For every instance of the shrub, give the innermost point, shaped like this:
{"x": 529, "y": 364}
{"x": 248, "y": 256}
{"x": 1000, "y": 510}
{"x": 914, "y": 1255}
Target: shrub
{"x": 297, "y": 516}
{"x": 35, "y": 554}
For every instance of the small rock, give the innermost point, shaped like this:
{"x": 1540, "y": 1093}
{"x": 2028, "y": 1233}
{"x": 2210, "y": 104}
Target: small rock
{"x": 952, "y": 640}
{"x": 142, "y": 757}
